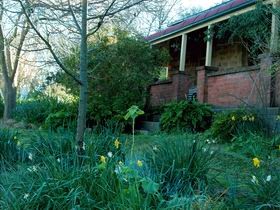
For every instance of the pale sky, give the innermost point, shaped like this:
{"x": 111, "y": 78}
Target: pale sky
{"x": 205, "y": 4}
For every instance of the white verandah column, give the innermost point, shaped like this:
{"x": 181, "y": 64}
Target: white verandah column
{"x": 183, "y": 52}
{"x": 209, "y": 47}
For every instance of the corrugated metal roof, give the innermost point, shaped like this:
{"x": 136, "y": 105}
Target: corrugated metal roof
{"x": 202, "y": 17}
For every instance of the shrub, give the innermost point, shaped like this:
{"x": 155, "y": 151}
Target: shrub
{"x": 186, "y": 115}
{"x": 61, "y": 119}
{"x": 181, "y": 165}
{"x": 46, "y": 111}
{"x": 229, "y": 124}
{"x": 34, "y": 111}
{"x": 252, "y": 144}
{"x": 120, "y": 73}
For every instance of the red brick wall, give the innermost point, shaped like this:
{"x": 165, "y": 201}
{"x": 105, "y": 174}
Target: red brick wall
{"x": 172, "y": 90}
{"x": 244, "y": 86}
{"x": 231, "y": 90}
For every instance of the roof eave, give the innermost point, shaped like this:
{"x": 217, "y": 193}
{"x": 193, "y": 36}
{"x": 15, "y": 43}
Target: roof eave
{"x": 203, "y": 21}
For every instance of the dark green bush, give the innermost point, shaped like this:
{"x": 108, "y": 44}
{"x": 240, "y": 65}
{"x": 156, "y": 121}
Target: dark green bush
{"x": 184, "y": 115}
{"x": 34, "y": 111}
{"x": 232, "y": 123}
{"x": 46, "y": 111}
{"x": 119, "y": 74}
{"x": 61, "y": 119}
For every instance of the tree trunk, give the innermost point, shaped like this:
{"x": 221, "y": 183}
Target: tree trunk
{"x": 81, "y": 121}
{"x": 9, "y": 99}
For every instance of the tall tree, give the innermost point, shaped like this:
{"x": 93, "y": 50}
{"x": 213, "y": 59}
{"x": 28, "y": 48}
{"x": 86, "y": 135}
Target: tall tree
{"x": 11, "y": 44}
{"x": 83, "y": 19}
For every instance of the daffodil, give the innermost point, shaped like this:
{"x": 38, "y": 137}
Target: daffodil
{"x": 117, "y": 143}
{"x": 233, "y": 118}
{"x": 256, "y": 162}
{"x": 268, "y": 178}
{"x": 139, "y": 163}
{"x": 110, "y": 154}
{"x": 254, "y": 180}
{"x": 26, "y": 195}
{"x": 252, "y": 119}
{"x": 244, "y": 118}
{"x": 30, "y": 156}
{"x": 102, "y": 159}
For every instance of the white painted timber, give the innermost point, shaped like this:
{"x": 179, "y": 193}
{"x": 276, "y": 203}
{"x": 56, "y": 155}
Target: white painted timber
{"x": 183, "y": 52}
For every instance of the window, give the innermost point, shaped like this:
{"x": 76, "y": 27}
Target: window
{"x": 163, "y": 73}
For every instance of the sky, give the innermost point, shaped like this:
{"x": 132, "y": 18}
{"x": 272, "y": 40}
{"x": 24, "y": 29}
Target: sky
{"x": 205, "y": 4}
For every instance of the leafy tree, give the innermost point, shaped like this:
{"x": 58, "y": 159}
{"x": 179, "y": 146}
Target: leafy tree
{"x": 120, "y": 71}
{"x": 256, "y": 39}
{"x": 82, "y": 19}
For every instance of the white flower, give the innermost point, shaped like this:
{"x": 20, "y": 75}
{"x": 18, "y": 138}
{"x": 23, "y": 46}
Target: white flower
{"x": 30, "y": 156}
{"x": 212, "y": 152}
{"x": 32, "y": 169}
{"x": 268, "y": 178}
{"x": 214, "y": 142}
{"x": 155, "y": 148}
{"x": 204, "y": 149}
{"x": 254, "y": 180}
{"x": 58, "y": 160}
{"x": 26, "y": 195}
{"x": 194, "y": 141}
{"x": 118, "y": 170}
{"x": 208, "y": 141}
{"x": 84, "y": 146}
{"x": 110, "y": 154}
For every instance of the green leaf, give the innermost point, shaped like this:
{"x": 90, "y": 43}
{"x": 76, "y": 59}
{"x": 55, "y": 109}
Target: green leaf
{"x": 149, "y": 186}
{"x": 133, "y": 112}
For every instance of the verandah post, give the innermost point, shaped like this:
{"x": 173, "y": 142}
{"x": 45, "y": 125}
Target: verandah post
{"x": 183, "y": 52}
{"x": 209, "y": 46}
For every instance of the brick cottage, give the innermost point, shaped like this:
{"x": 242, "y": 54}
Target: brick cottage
{"x": 216, "y": 71}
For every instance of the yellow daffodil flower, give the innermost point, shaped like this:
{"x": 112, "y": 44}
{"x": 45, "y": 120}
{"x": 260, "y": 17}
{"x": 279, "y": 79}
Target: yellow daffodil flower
{"x": 117, "y": 143}
{"x": 102, "y": 159}
{"x": 256, "y": 162}
{"x": 139, "y": 163}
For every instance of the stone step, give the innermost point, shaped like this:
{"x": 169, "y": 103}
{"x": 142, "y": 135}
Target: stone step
{"x": 149, "y": 126}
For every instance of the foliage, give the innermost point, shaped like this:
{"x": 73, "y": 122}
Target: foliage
{"x": 264, "y": 186}
{"x": 168, "y": 172}
{"x": 121, "y": 68}
{"x": 9, "y": 148}
{"x": 1, "y": 108}
{"x": 256, "y": 39}
{"x": 252, "y": 144}
{"x": 59, "y": 119}
{"x": 55, "y": 177}
{"x": 186, "y": 115}
{"x": 181, "y": 165}
{"x": 232, "y": 123}
{"x": 133, "y": 112}
{"x": 46, "y": 111}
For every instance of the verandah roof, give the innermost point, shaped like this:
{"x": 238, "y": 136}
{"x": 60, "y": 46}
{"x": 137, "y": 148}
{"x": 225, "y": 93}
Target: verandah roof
{"x": 202, "y": 17}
